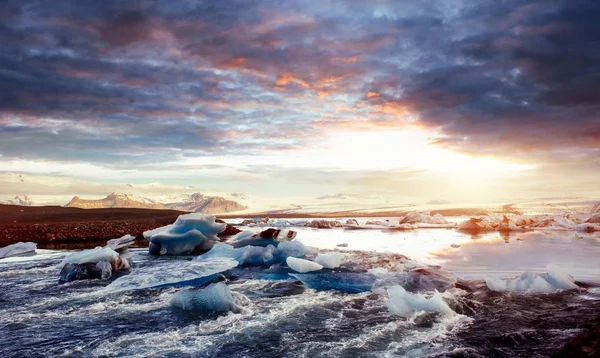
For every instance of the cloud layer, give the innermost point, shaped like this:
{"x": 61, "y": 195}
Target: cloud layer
{"x": 124, "y": 84}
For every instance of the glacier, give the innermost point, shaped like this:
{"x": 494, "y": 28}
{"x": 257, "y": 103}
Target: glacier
{"x": 188, "y": 234}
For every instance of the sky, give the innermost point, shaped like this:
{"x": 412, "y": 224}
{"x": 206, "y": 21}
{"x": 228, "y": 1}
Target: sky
{"x": 302, "y": 102}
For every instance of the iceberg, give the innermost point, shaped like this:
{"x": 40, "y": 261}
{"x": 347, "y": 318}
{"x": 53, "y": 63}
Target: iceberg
{"x": 18, "y": 249}
{"x": 330, "y": 260}
{"x": 350, "y": 282}
{"x": 190, "y": 233}
{"x": 216, "y": 297}
{"x": 173, "y": 273}
{"x": 555, "y": 279}
{"x": 301, "y": 265}
{"x": 406, "y": 304}
{"x": 100, "y": 262}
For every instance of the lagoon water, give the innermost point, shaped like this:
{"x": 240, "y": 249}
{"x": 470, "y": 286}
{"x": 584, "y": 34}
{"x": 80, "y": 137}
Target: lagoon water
{"x": 41, "y": 318}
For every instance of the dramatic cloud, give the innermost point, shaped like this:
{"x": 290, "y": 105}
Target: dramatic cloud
{"x": 143, "y": 84}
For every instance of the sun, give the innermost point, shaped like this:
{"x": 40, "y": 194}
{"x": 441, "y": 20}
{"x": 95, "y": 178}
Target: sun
{"x": 409, "y": 148}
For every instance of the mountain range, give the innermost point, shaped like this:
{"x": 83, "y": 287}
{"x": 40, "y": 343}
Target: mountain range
{"x": 193, "y": 203}
{"x": 26, "y": 201}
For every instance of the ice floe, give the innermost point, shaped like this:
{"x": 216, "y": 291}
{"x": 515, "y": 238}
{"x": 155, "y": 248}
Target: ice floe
{"x": 18, "y": 249}
{"x": 555, "y": 279}
{"x": 190, "y": 233}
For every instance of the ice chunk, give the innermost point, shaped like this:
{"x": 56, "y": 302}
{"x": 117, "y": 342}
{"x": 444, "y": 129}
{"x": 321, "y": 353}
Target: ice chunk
{"x": 301, "y": 265}
{"x": 18, "y": 249}
{"x": 478, "y": 224}
{"x": 555, "y": 279}
{"x": 173, "y": 273}
{"x": 247, "y": 255}
{"x": 190, "y": 233}
{"x": 330, "y": 259}
{"x": 256, "y": 255}
{"x": 350, "y": 282}
{"x": 121, "y": 243}
{"x": 291, "y": 248}
{"x": 406, "y": 304}
{"x": 86, "y": 271}
{"x": 216, "y": 297}
{"x": 91, "y": 256}
{"x": 324, "y": 224}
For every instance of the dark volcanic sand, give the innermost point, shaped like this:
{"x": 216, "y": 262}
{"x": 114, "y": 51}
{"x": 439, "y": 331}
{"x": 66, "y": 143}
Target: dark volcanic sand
{"x": 56, "y": 226}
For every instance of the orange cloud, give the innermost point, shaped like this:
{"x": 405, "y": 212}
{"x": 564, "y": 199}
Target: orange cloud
{"x": 286, "y": 78}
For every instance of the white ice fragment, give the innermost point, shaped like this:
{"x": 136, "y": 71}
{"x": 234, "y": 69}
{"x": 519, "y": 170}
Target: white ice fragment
{"x": 91, "y": 256}
{"x": 555, "y": 279}
{"x": 215, "y": 297}
{"x": 406, "y": 304}
{"x": 301, "y": 265}
{"x": 171, "y": 272}
{"x": 18, "y": 249}
{"x": 331, "y": 260}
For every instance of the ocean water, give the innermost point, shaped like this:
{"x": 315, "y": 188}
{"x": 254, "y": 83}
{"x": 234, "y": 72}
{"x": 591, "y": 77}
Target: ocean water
{"x": 39, "y": 317}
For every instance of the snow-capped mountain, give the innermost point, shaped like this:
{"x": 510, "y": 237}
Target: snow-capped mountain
{"x": 26, "y": 201}
{"x": 194, "y": 203}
